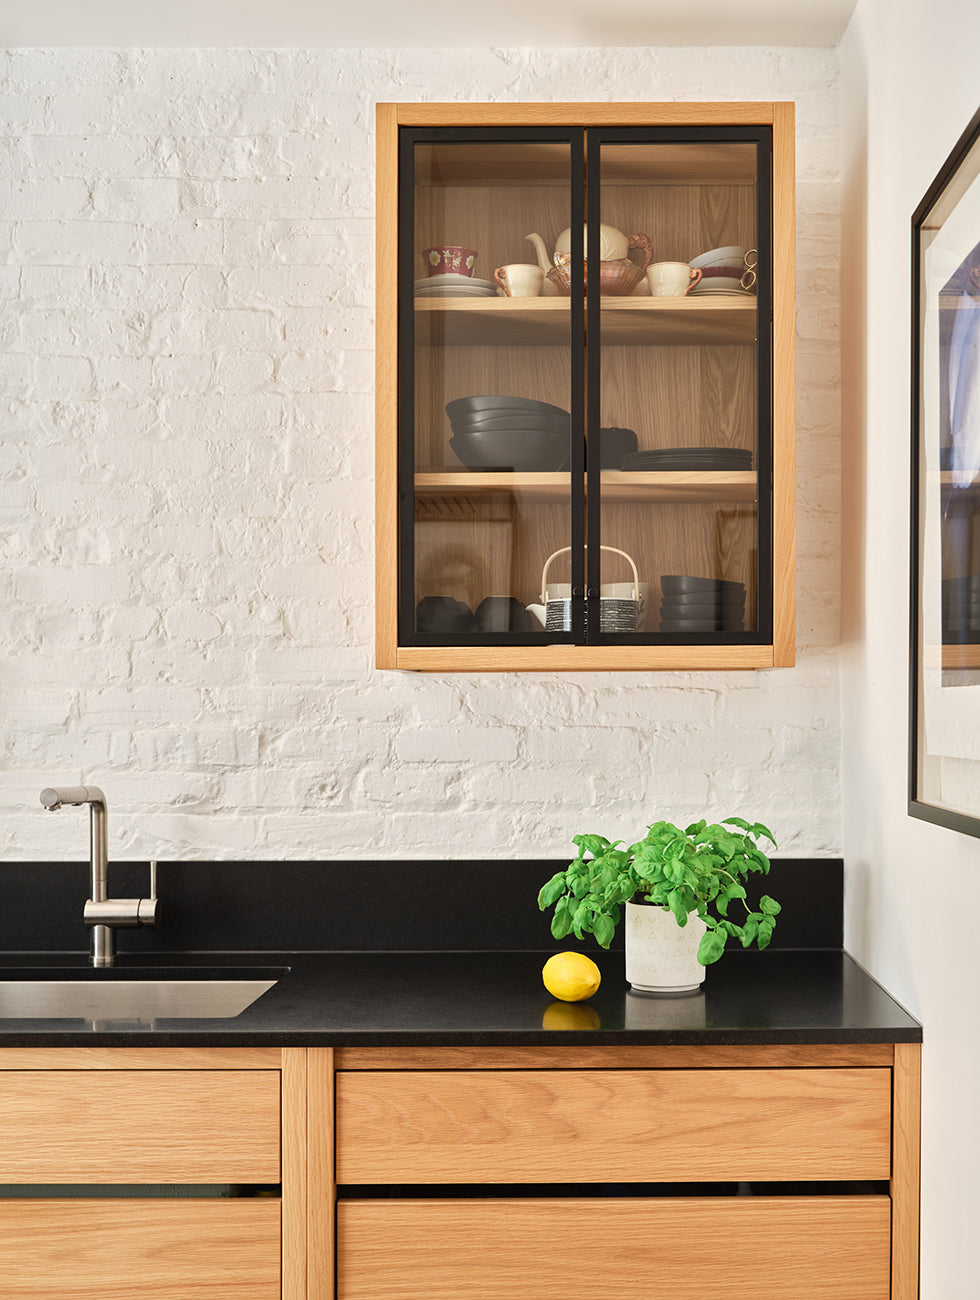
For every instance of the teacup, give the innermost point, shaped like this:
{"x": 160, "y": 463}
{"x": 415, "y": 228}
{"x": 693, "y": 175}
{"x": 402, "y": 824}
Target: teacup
{"x": 449, "y": 259}
{"x": 520, "y": 280}
{"x": 672, "y": 279}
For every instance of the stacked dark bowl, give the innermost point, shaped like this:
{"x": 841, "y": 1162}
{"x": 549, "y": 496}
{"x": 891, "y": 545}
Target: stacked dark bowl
{"x": 444, "y": 614}
{"x": 692, "y": 604}
{"x": 510, "y": 434}
{"x": 684, "y": 458}
{"x": 961, "y": 609}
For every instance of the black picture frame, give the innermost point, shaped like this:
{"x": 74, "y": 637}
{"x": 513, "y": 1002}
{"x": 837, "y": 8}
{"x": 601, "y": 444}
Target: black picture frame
{"x": 942, "y": 500}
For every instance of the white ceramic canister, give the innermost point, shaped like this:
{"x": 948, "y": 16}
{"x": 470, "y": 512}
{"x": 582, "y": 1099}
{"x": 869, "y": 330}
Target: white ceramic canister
{"x": 661, "y": 956}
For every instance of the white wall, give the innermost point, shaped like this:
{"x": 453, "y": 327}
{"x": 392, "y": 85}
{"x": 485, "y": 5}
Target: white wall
{"x": 909, "y": 88}
{"x": 186, "y": 508}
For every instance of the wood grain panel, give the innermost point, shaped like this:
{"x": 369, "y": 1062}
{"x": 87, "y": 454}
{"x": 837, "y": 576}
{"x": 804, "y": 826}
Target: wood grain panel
{"x": 323, "y": 1188}
{"x": 294, "y": 1174}
{"x": 595, "y": 1126}
{"x": 386, "y": 389}
{"x": 742, "y": 1248}
{"x": 157, "y": 1250}
{"x": 598, "y": 1058}
{"x": 147, "y": 1126}
{"x": 140, "y": 1058}
{"x": 905, "y": 1172}
{"x": 573, "y": 658}
{"x": 582, "y": 114}
{"x": 784, "y": 385}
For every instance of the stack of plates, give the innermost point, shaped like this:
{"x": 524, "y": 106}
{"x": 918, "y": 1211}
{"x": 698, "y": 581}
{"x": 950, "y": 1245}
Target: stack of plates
{"x": 691, "y": 604}
{"x": 675, "y": 458}
{"x": 961, "y": 608}
{"x": 720, "y": 286}
{"x": 515, "y": 434}
{"x": 451, "y": 285}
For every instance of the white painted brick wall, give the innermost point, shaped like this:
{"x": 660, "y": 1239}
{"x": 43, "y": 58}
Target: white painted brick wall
{"x": 186, "y": 459}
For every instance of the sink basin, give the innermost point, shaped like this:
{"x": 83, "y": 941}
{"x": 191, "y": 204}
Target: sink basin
{"x": 128, "y": 995}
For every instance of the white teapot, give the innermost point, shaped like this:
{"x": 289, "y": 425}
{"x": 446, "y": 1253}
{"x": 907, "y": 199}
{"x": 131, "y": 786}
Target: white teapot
{"x": 613, "y": 246}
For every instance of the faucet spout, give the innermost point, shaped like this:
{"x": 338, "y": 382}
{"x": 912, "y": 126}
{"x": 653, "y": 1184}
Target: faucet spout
{"x": 102, "y": 914}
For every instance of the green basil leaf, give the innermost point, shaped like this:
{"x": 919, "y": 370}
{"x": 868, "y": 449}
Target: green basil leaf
{"x": 711, "y": 947}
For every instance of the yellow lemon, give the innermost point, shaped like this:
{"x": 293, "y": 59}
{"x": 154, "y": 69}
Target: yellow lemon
{"x": 575, "y": 1015}
{"x": 570, "y": 976}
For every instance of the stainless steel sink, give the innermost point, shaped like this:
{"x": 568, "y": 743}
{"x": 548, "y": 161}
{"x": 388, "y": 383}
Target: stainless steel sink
{"x": 129, "y": 996}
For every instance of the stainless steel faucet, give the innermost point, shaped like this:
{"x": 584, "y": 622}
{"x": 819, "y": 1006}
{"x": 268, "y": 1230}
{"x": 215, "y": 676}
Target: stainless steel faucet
{"x": 102, "y": 913}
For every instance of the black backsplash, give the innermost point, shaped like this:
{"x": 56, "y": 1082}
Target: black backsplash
{"x": 357, "y": 906}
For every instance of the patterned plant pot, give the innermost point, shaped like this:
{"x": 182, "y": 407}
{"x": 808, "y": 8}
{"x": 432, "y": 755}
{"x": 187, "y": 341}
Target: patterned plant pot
{"x": 661, "y": 956}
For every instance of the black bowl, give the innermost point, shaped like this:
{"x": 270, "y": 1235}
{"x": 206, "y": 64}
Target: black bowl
{"x": 443, "y": 614}
{"x": 464, "y": 406}
{"x": 518, "y": 451}
{"x": 682, "y": 584}
{"x": 503, "y": 614}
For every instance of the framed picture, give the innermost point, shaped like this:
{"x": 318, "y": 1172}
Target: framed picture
{"x": 944, "y": 748}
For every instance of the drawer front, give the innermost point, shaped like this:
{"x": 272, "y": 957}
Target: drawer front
{"x": 157, "y": 1250}
{"x": 742, "y": 1248}
{"x": 139, "y": 1126}
{"x": 530, "y": 1126}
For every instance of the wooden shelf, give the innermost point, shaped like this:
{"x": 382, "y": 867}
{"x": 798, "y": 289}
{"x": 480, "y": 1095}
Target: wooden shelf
{"x": 952, "y": 656}
{"x": 617, "y": 486}
{"x": 532, "y": 321}
{"x": 538, "y": 162}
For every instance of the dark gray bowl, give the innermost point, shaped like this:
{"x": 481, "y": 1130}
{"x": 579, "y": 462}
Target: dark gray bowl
{"x": 682, "y": 584}
{"x": 518, "y": 451}
{"x": 461, "y": 407}
{"x": 701, "y": 625}
{"x": 672, "y": 612}
{"x": 503, "y": 614}
{"x": 716, "y": 599}
{"x": 443, "y": 614}
{"x": 508, "y": 421}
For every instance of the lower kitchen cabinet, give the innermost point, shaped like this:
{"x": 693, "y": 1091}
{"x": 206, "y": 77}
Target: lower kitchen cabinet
{"x": 156, "y": 1249}
{"x": 152, "y": 1121}
{"x": 446, "y": 1173}
{"x": 742, "y": 1248}
{"x": 604, "y": 1173}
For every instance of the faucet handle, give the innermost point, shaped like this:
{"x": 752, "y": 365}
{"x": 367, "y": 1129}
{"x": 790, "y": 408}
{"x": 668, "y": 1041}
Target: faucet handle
{"x": 146, "y": 908}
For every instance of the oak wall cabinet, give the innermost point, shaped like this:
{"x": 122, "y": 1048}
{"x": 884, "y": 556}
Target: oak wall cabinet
{"x": 574, "y": 450}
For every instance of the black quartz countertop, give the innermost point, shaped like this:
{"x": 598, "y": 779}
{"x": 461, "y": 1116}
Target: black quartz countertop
{"x": 484, "y": 999}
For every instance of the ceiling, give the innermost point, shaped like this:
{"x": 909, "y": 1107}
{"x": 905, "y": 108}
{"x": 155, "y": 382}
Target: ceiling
{"x": 439, "y": 24}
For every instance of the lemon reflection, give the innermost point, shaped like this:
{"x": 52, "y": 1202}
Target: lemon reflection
{"x": 570, "y": 1015}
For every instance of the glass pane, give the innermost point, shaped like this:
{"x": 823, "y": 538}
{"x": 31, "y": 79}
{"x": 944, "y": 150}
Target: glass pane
{"x": 679, "y": 442}
{"x": 949, "y": 496}
{"x": 491, "y": 376}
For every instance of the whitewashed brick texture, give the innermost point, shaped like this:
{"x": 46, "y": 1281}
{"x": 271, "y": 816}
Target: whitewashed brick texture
{"x": 186, "y": 460}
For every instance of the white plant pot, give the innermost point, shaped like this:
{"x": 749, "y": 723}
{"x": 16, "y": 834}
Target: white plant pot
{"x": 661, "y": 956}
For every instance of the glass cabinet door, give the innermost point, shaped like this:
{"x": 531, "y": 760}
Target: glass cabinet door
{"x": 585, "y": 457}
{"x": 679, "y": 412}
{"x": 491, "y": 388}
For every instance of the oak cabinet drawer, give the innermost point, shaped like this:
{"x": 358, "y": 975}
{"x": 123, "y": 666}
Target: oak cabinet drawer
{"x": 139, "y": 1126}
{"x": 157, "y": 1250}
{"x": 533, "y": 1126}
{"x": 742, "y": 1248}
